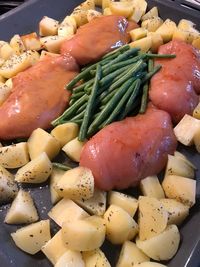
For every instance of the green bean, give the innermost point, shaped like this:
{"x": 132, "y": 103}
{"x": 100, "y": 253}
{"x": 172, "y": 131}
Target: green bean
{"x": 79, "y": 116}
{"x": 121, "y": 50}
{"x": 90, "y": 106}
{"x": 104, "y": 98}
{"x": 70, "y": 111}
{"x": 77, "y": 95}
{"x": 79, "y": 122}
{"x": 82, "y": 86}
{"x": 61, "y": 166}
{"x": 71, "y": 102}
{"x": 81, "y": 108}
{"x": 149, "y": 55}
{"x": 144, "y": 99}
{"x": 108, "y": 108}
{"x": 149, "y": 75}
{"x": 150, "y": 65}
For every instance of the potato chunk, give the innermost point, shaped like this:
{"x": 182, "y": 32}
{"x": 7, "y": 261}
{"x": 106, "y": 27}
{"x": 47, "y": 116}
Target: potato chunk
{"x": 153, "y": 217}
{"x": 151, "y": 187}
{"x": 156, "y": 39}
{"x": 48, "y": 26}
{"x": 17, "y": 44}
{"x": 77, "y": 183}
{"x": 138, "y": 33}
{"x": 70, "y": 259}
{"x": 41, "y": 141}
{"x": 91, "y": 14}
{"x": 55, "y": 176}
{"x": 120, "y": 226}
{"x": 6, "y": 51}
{"x": 152, "y": 24}
{"x": 52, "y": 43}
{"x": 167, "y": 29}
{"x": 65, "y": 210}
{"x": 197, "y": 140}
{"x": 84, "y": 235}
{"x": 14, "y": 156}
{"x": 22, "y": 209}
{"x": 180, "y": 188}
{"x": 31, "y": 238}
{"x": 152, "y": 13}
{"x": 163, "y": 246}
{"x": 73, "y": 149}
{"x": 122, "y": 8}
{"x": 36, "y": 171}
{"x": 8, "y": 187}
{"x": 4, "y": 93}
{"x": 130, "y": 255}
{"x": 65, "y": 132}
{"x": 31, "y": 41}
{"x": 144, "y": 44}
{"x": 95, "y": 258}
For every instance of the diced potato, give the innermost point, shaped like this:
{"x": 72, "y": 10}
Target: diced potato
{"x": 138, "y": 33}
{"x": 14, "y": 156}
{"x": 149, "y": 264}
{"x": 55, "y": 176}
{"x": 52, "y": 43}
{"x": 178, "y": 166}
{"x": 180, "y": 188}
{"x": 152, "y": 24}
{"x": 151, "y": 187}
{"x": 185, "y": 25}
{"x": 17, "y": 44}
{"x": 106, "y": 4}
{"x": 9, "y": 83}
{"x": 70, "y": 259}
{"x": 182, "y": 35}
{"x": 128, "y": 203}
{"x": 153, "y": 217}
{"x": 41, "y": 141}
{"x": 6, "y": 51}
{"x": 80, "y": 16}
{"x": 2, "y": 43}
{"x": 77, "y": 183}
{"x": 186, "y": 129}
{"x": 8, "y": 187}
{"x": 196, "y": 112}
{"x": 86, "y": 5}
{"x": 31, "y": 41}
{"x": 65, "y": 30}
{"x": 136, "y": 15}
{"x": 2, "y": 79}
{"x": 98, "y": 3}
{"x": 166, "y": 30}
{"x": 163, "y": 246}
{"x": 144, "y": 44}
{"x": 1, "y": 62}
{"x": 176, "y": 210}
{"x": 120, "y": 226}
{"x": 70, "y": 21}
{"x": 196, "y": 44}
{"x": 65, "y": 210}
{"x": 183, "y": 157}
{"x": 19, "y": 63}
{"x": 31, "y": 238}
{"x": 96, "y": 205}
{"x": 141, "y": 4}
{"x": 130, "y": 255}
{"x": 107, "y": 11}
{"x": 48, "y": 26}
{"x": 91, "y": 14}
{"x": 73, "y": 149}
{"x": 36, "y": 171}
{"x": 4, "y": 93}
{"x": 45, "y": 53}
{"x": 122, "y": 8}
{"x": 151, "y": 13}
{"x": 22, "y": 209}
{"x": 197, "y": 140}
{"x": 84, "y": 235}
{"x": 55, "y": 248}
{"x": 65, "y": 132}
{"x": 95, "y": 258}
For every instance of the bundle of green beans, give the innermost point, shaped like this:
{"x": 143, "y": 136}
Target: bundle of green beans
{"x": 110, "y": 90}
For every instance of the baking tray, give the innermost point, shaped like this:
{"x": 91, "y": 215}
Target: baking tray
{"x": 24, "y": 19}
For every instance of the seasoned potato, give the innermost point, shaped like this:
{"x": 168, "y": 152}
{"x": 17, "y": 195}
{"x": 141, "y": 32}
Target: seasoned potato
{"x": 130, "y": 255}
{"x": 22, "y": 209}
{"x": 183, "y": 157}
{"x": 95, "y": 258}
{"x": 120, "y": 226}
{"x": 149, "y": 264}
{"x": 182, "y": 35}
{"x": 152, "y": 24}
{"x": 84, "y": 235}
{"x": 180, "y": 188}
{"x": 96, "y": 205}
{"x": 66, "y": 31}
{"x": 163, "y": 246}
{"x": 70, "y": 21}
{"x": 70, "y": 259}
{"x": 65, "y": 132}
{"x": 77, "y": 183}
{"x": 45, "y": 53}
{"x": 86, "y": 5}
{"x": 31, "y": 238}
{"x": 153, "y": 217}
{"x": 14, "y": 156}
{"x": 8, "y": 187}
{"x": 16, "y": 64}
{"x": 17, "y": 44}
{"x": 52, "y": 43}
{"x": 197, "y": 140}
{"x": 141, "y": 4}
{"x": 144, "y": 44}
{"x": 9, "y": 83}
{"x": 36, "y": 171}
{"x": 55, "y": 176}
{"x": 91, "y": 14}
{"x": 4, "y": 93}
{"x": 6, "y": 51}
{"x": 196, "y": 43}
{"x": 152, "y": 13}
{"x": 66, "y": 209}
{"x": 186, "y": 25}
{"x": 31, "y": 41}
{"x": 41, "y": 141}
{"x": 128, "y": 203}
{"x": 176, "y": 210}
{"x": 196, "y": 112}
{"x": 186, "y": 129}
{"x": 80, "y": 16}
{"x": 73, "y": 149}
{"x": 178, "y": 166}
{"x": 138, "y": 33}
{"x": 55, "y": 248}
{"x": 136, "y": 15}
{"x": 2, "y": 79}
{"x": 106, "y": 4}
{"x": 107, "y": 11}
{"x": 48, "y": 26}
{"x": 151, "y": 187}
{"x": 122, "y": 8}
{"x": 98, "y": 3}
{"x": 166, "y": 30}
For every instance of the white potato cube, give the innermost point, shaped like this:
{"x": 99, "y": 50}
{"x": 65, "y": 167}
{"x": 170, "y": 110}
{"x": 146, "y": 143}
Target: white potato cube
{"x": 95, "y": 258}
{"x": 80, "y": 16}
{"x": 48, "y": 26}
{"x": 122, "y": 8}
{"x": 4, "y": 93}
{"x": 70, "y": 259}
{"x": 31, "y": 238}
{"x": 152, "y": 24}
{"x": 22, "y": 209}
{"x": 91, "y": 14}
{"x": 66, "y": 31}
{"x": 163, "y": 246}
{"x": 70, "y": 21}
{"x": 86, "y": 5}
{"x": 41, "y": 141}
{"x": 183, "y": 157}
{"x": 14, "y": 156}
{"x": 138, "y": 33}
{"x": 36, "y": 171}
{"x": 6, "y": 51}
{"x": 45, "y": 53}
{"x": 107, "y": 11}
{"x": 197, "y": 140}
{"x": 144, "y": 44}
{"x": 151, "y": 13}
{"x": 166, "y": 30}
{"x": 73, "y": 149}
{"x": 77, "y": 183}
{"x": 151, "y": 187}
{"x": 31, "y": 41}
{"x": 66, "y": 210}
{"x": 156, "y": 39}
{"x": 52, "y": 43}
{"x": 55, "y": 176}
{"x": 120, "y": 226}
{"x": 17, "y": 44}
